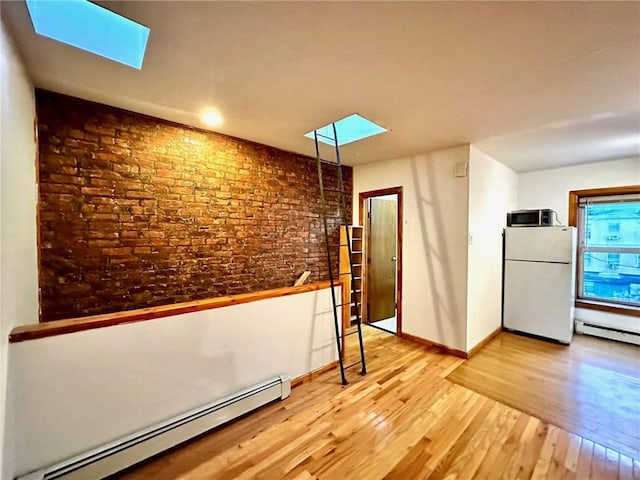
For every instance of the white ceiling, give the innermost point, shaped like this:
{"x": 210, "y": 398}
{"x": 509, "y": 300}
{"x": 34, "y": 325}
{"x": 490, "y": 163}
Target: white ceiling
{"x": 534, "y": 84}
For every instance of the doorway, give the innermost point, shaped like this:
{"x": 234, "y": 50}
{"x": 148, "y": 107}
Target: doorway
{"x": 381, "y": 215}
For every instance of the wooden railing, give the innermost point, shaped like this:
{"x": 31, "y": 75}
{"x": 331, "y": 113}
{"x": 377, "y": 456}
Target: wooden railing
{"x": 59, "y": 327}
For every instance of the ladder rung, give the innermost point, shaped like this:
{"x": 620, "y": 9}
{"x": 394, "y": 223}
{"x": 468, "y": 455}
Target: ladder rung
{"x": 347, "y": 334}
{"x": 353, "y": 364}
{"x": 352, "y": 303}
{"x": 329, "y": 162}
{"x": 324, "y": 136}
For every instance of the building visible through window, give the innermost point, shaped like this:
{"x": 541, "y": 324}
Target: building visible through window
{"x": 613, "y": 259}
{"x": 609, "y": 248}
{"x": 613, "y": 229}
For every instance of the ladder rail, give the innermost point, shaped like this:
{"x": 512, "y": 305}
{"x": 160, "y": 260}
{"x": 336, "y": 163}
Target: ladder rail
{"x": 329, "y": 262}
{"x": 345, "y": 221}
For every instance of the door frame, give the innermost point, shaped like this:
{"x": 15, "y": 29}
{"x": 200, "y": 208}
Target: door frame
{"x": 362, "y": 198}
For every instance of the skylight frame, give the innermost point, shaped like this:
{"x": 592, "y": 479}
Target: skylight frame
{"x": 346, "y": 128}
{"x": 91, "y": 28}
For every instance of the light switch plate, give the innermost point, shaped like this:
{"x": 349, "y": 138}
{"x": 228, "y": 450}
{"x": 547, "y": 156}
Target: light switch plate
{"x": 460, "y": 169}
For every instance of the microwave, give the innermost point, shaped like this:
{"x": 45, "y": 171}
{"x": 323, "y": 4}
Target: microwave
{"x": 530, "y": 218}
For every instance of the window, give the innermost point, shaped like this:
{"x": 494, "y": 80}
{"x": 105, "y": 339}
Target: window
{"x": 608, "y": 222}
{"x": 613, "y": 259}
{"x": 613, "y": 231}
{"x": 348, "y": 129}
{"x": 92, "y": 28}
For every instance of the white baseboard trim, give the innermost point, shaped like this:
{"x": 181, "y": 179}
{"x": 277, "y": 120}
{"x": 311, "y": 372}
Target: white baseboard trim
{"x": 604, "y": 332}
{"x": 116, "y": 456}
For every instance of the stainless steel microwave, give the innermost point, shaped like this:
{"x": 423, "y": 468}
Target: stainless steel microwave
{"x": 530, "y": 218}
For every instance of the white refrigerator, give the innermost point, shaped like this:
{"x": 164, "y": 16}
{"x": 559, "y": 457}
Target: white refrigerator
{"x": 539, "y": 281}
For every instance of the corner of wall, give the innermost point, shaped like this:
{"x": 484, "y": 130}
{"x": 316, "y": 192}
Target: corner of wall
{"x": 492, "y": 192}
{"x": 18, "y": 259}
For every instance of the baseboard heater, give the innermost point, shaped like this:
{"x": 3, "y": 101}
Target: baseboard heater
{"x": 605, "y": 332}
{"x": 123, "y": 453}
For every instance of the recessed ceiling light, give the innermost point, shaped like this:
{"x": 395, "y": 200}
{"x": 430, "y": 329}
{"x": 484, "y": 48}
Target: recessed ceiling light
{"x": 212, "y": 118}
{"x": 349, "y": 129}
{"x": 90, "y": 27}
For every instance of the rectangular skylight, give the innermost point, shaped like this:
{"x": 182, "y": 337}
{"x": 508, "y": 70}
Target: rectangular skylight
{"x": 89, "y": 27}
{"x": 350, "y": 129}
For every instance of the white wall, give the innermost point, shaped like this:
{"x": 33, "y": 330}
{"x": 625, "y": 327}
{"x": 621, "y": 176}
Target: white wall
{"x": 493, "y": 191}
{"x": 77, "y": 391}
{"x": 18, "y": 267}
{"x": 434, "y": 276}
{"x": 550, "y": 189}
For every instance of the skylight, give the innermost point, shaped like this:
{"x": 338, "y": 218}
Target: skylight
{"x": 89, "y": 27}
{"x": 350, "y": 129}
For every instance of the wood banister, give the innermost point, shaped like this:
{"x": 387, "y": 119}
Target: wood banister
{"x": 60, "y": 327}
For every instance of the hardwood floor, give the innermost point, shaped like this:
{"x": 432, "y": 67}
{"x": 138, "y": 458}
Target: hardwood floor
{"x": 591, "y": 388}
{"x": 403, "y": 420}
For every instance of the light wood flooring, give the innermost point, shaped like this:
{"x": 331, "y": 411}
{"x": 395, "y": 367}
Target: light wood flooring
{"x": 591, "y": 388}
{"x": 403, "y": 420}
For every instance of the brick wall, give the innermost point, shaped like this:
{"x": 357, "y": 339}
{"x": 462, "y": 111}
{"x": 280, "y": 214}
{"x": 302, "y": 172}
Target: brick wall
{"x": 135, "y": 211}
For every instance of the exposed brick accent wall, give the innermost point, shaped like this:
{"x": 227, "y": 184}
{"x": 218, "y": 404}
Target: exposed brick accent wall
{"x": 136, "y": 211}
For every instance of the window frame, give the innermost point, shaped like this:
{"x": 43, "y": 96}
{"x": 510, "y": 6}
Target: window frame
{"x": 574, "y": 219}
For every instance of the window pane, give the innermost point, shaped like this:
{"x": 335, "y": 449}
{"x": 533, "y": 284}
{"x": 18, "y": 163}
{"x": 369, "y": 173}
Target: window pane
{"x": 612, "y": 224}
{"x": 612, "y": 275}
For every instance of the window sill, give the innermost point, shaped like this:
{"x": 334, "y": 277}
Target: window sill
{"x": 609, "y": 307}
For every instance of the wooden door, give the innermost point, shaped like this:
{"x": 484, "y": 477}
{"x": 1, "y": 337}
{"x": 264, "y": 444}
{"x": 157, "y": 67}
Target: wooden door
{"x": 381, "y": 259}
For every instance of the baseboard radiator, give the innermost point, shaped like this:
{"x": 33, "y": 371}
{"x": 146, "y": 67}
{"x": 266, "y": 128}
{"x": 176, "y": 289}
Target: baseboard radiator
{"x": 610, "y": 333}
{"x": 118, "y": 455}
